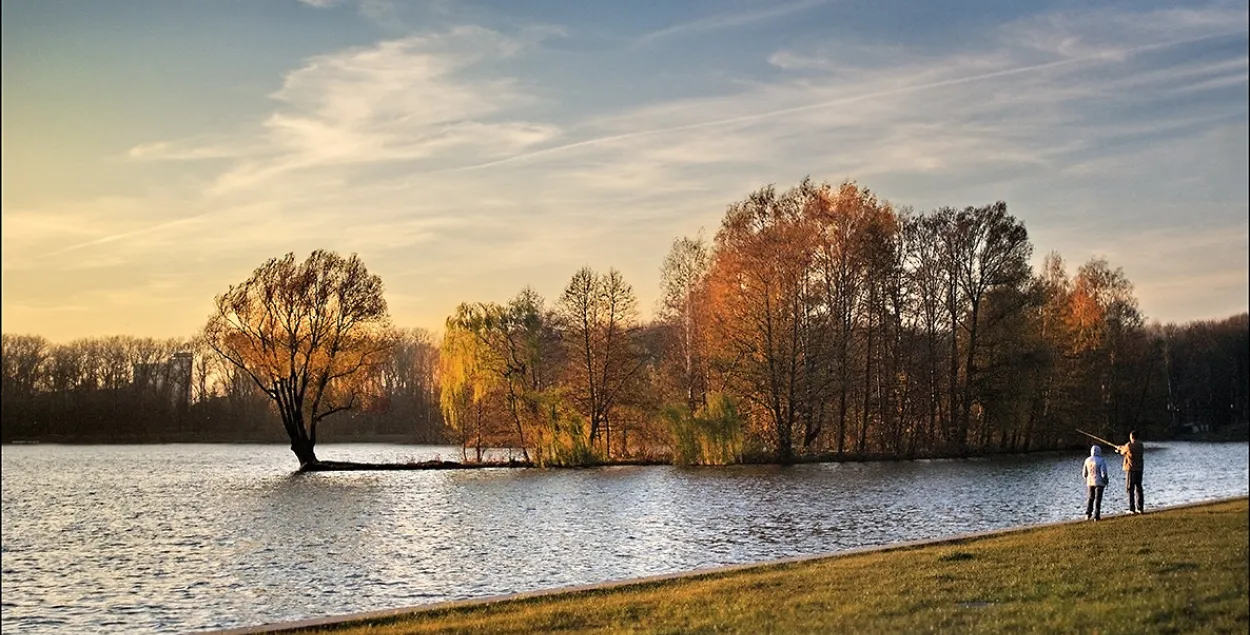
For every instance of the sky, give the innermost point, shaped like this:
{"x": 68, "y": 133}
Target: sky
{"x": 157, "y": 152}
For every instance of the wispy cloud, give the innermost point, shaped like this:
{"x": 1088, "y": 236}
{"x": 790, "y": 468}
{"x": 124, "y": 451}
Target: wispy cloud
{"x": 448, "y": 162}
{"x": 401, "y": 100}
{"x": 189, "y": 151}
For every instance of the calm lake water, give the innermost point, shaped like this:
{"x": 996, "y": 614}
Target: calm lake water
{"x": 179, "y": 538}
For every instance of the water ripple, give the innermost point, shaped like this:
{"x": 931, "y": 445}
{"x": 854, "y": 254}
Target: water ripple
{"x": 162, "y": 539}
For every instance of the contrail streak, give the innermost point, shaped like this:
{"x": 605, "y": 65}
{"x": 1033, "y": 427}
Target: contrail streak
{"x": 843, "y": 100}
{"x": 115, "y": 237}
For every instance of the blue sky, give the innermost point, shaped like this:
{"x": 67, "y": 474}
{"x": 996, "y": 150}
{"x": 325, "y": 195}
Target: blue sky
{"x": 155, "y": 153}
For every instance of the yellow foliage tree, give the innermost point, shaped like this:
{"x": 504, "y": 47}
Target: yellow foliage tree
{"x": 467, "y": 381}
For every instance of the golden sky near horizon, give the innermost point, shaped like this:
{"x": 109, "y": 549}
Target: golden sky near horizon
{"x": 156, "y": 153}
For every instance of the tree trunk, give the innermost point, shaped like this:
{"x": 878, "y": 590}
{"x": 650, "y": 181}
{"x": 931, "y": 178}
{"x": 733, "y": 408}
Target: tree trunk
{"x": 302, "y": 443}
{"x": 970, "y": 370}
{"x": 861, "y": 444}
{"x": 303, "y": 449}
{"x": 843, "y": 384}
{"x": 785, "y": 442}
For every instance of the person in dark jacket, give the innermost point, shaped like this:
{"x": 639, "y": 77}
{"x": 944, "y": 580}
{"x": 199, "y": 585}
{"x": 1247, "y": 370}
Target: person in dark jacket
{"x": 1095, "y": 474}
{"x": 1133, "y": 465}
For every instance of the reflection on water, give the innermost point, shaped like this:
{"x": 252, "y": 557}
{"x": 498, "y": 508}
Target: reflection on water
{"x": 187, "y": 537}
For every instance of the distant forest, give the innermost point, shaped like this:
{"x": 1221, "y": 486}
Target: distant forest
{"x": 820, "y": 321}
{"x": 124, "y": 389}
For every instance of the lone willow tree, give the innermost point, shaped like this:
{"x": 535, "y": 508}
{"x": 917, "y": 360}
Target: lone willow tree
{"x": 312, "y": 335}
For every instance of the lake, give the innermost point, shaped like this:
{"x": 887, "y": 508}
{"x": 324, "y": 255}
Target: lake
{"x": 177, "y": 538}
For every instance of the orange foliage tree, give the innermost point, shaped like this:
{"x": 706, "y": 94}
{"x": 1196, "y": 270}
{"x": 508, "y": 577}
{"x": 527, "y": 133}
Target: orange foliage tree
{"x": 759, "y": 286}
{"x": 313, "y": 336}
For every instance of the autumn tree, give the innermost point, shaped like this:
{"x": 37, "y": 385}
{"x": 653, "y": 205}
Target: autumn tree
{"x": 493, "y": 367}
{"x": 839, "y": 267}
{"x": 309, "y": 334}
{"x": 599, "y": 313}
{"x": 467, "y": 365}
{"x": 930, "y": 285}
{"x": 889, "y": 300}
{"x": 1104, "y": 320}
{"x": 760, "y": 287}
{"x": 683, "y": 278}
{"x": 877, "y": 250}
{"x": 984, "y": 249}
{"x": 529, "y": 353}
{"x": 1052, "y": 409}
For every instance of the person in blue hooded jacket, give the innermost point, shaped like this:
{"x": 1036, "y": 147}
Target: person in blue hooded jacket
{"x": 1095, "y": 474}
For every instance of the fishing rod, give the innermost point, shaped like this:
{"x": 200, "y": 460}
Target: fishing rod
{"x": 1099, "y": 439}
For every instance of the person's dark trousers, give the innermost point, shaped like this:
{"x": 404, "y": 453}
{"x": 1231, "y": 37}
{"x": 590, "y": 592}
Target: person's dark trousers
{"x": 1093, "y": 503}
{"x": 1132, "y": 482}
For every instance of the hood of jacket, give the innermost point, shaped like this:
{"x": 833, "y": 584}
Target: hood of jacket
{"x": 1095, "y": 450}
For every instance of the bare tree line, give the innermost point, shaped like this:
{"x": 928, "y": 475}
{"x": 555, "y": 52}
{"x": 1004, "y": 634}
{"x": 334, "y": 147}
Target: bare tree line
{"x": 129, "y": 389}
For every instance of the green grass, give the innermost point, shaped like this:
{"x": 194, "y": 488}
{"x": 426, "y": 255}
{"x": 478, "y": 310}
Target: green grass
{"x": 1174, "y": 571}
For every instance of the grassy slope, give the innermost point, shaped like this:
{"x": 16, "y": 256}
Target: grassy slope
{"x": 1174, "y": 571}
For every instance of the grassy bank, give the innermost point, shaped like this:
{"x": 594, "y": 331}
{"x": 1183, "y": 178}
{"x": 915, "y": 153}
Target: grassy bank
{"x": 1174, "y": 571}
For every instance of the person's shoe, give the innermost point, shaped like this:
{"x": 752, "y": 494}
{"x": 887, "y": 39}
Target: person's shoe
{"x": 1096, "y": 519}
{"x": 1087, "y": 516}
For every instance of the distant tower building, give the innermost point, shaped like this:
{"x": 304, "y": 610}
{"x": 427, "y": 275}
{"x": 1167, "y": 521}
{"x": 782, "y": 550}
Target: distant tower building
{"x": 180, "y": 377}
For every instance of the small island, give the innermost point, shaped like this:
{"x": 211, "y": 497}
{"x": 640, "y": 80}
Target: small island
{"x": 821, "y": 323}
